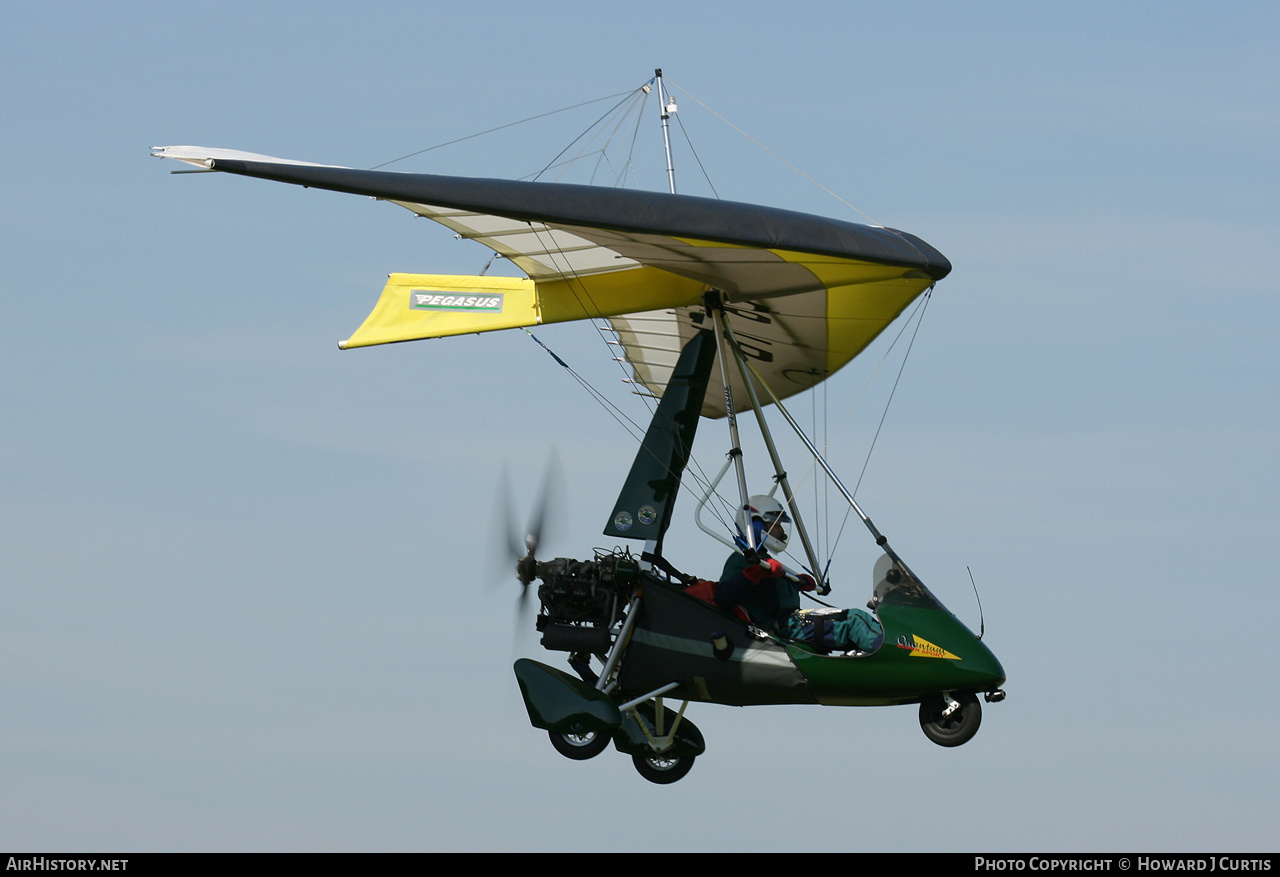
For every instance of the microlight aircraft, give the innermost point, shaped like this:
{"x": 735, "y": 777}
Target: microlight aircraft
{"x": 721, "y": 308}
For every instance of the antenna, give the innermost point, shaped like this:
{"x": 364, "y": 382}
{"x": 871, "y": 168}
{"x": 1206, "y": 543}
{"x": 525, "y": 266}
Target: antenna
{"x": 982, "y": 622}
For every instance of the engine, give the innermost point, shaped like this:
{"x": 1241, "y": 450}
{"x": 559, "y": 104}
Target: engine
{"x": 584, "y": 600}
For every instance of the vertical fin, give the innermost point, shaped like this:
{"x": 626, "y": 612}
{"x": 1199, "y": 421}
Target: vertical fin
{"x": 644, "y": 506}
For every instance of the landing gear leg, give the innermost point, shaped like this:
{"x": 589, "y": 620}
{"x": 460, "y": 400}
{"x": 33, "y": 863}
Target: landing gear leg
{"x": 662, "y": 743}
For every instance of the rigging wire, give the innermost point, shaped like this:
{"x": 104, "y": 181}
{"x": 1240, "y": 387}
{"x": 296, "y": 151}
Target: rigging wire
{"x": 822, "y": 494}
{"x": 830, "y": 435}
{"x": 634, "y": 429}
{"x": 633, "y": 101}
{"x": 927, "y": 297}
{"x": 696, "y": 157}
{"x": 499, "y": 128}
{"x": 580, "y": 292}
{"x": 489, "y": 264}
{"x": 619, "y": 179}
{"x": 573, "y": 283}
{"x": 776, "y": 155}
{"x": 635, "y": 135}
{"x": 619, "y": 114}
{"x": 918, "y": 315}
{"x": 614, "y": 411}
{"x": 631, "y": 95}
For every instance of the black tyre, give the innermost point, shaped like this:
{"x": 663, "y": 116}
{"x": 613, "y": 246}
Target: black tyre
{"x": 580, "y": 747}
{"x": 663, "y": 769}
{"x": 955, "y": 729}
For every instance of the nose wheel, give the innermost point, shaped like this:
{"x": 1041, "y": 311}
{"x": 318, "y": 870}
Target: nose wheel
{"x": 951, "y": 719}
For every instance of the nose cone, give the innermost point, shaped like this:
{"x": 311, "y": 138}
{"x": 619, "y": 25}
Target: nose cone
{"x": 944, "y": 652}
{"x": 982, "y": 667}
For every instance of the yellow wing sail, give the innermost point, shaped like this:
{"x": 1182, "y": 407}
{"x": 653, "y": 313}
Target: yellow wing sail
{"x": 415, "y": 306}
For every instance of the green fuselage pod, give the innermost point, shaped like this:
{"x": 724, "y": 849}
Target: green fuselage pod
{"x": 672, "y": 641}
{"x": 926, "y": 651}
{"x": 562, "y": 703}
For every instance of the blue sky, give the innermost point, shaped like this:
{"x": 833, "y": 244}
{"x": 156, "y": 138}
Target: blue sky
{"x": 245, "y": 578}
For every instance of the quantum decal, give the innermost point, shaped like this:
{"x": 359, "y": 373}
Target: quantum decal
{"x": 922, "y": 648}
{"x": 438, "y": 300}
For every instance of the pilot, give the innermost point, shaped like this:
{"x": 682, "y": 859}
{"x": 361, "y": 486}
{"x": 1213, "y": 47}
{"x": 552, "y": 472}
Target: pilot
{"x": 770, "y": 594}
{"x": 756, "y": 581}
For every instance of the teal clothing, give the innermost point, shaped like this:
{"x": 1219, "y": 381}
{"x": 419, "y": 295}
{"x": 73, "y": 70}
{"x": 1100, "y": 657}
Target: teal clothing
{"x": 855, "y": 630}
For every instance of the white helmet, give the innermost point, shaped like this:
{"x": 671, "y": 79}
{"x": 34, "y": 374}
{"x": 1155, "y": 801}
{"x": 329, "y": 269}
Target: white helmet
{"x": 769, "y": 522}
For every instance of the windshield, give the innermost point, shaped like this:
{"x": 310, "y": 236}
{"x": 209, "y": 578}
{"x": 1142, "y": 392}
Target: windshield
{"x": 896, "y": 586}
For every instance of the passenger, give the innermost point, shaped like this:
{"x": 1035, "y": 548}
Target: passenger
{"x": 757, "y": 583}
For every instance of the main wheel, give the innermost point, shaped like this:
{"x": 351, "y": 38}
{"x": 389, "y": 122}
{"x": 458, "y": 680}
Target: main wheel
{"x": 580, "y": 747}
{"x": 663, "y": 769}
{"x": 956, "y": 728}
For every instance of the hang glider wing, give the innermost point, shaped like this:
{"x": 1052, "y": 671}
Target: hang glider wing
{"x": 805, "y": 294}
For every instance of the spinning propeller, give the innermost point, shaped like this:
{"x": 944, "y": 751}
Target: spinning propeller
{"x": 521, "y": 551}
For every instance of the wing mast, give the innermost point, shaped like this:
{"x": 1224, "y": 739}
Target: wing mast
{"x": 667, "y": 106}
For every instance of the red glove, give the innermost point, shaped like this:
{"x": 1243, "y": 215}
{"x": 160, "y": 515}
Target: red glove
{"x": 765, "y": 569}
{"x": 806, "y": 582}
